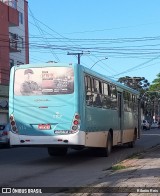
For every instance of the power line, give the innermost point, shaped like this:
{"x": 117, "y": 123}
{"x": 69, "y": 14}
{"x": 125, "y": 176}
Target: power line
{"x": 41, "y": 32}
{"x": 109, "y": 29}
{"x": 133, "y": 68}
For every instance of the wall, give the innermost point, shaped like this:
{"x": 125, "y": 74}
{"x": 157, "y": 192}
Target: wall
{"x": 4, "y": 91}
{"x": 22, "y": 31}
{"x": 4, "y": 44}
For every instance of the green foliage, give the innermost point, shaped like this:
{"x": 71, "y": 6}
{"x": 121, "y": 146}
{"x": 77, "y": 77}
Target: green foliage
{"x": 149, "y": 94}
{"x": 138, "y": 83}
{"x": 118, "y": 167}
{"x": 151, "y": 98}
{"x": 156, "y": 84}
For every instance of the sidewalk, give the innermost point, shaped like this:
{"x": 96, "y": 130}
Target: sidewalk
{"x": 138, "y": 175}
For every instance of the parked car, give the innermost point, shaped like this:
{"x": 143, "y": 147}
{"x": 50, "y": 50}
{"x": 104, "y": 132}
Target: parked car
{"x": 4, "y": 134}
{"x": 145, "y": 125}
{"x": 154, "y": 125}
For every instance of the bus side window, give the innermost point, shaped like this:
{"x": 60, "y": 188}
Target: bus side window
{"x": 85, "y": 80}
{"x": 135, "y": 103}
{"x": 106, "y": 97}
{"x": 125, "y": 101}
{"x": 88, "y": 83}
{"x": 89, "y": 98}
{"x": 97, "y": 99}
{"x": 113, "y": 97}
{"x": 129, "y": 102}
{"x": 88, "y": 87}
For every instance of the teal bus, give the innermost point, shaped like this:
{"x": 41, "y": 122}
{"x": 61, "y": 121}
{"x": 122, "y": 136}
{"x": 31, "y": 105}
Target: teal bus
{"x": 63, "y": 106}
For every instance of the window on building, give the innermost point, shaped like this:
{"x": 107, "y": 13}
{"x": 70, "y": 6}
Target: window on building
{"x": 20, "y": 45}
{"x": 20, "y": 18}
{"x": 11, "y": 3}
{"x": 13, "y": 40}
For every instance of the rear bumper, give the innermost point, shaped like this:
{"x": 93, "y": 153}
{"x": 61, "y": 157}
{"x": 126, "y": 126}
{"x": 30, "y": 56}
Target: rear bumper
{"x": 67, "y": 140}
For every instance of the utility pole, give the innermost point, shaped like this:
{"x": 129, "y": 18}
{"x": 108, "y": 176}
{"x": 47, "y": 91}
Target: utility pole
{"x": 79, "y": 54}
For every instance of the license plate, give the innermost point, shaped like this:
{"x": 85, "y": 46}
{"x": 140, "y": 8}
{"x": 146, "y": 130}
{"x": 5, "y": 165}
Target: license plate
{"x": 44, "y": 126}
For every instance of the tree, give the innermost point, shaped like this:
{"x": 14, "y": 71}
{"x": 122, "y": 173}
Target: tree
{"x": 138, "y": 83}
{"x": 142, "y": 85}
{"x": 154, "y": 89}
{"x": 156, "y": 84}
{"x": 151, "y": 101}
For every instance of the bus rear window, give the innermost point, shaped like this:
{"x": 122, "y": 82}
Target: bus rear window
{"x": 44, "y": 81}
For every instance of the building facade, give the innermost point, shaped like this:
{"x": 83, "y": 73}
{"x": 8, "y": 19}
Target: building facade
{"x": 14, "y": 45}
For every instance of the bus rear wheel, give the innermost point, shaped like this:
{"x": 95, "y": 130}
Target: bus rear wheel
{"x": 57, "y": 151}
{"x": 108, "y": 149}
{"x": 132, "y": 143}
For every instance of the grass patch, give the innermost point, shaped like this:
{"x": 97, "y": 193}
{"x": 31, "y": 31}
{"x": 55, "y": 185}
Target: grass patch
{"x": 134, "y": 156}
{"x": 118, "y": 167}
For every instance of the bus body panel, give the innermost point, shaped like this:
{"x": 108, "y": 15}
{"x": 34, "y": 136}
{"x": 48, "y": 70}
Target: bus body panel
{"x": 59, "y": 111}
{"x": 98, "y": 119}
{"x": 58, "y": 117}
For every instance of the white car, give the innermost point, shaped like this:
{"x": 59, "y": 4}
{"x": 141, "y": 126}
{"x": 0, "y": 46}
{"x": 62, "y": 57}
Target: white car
{"x": 145, "y": 125}
{"x": 4, "y": 134}
{"x": 154, "y": 125}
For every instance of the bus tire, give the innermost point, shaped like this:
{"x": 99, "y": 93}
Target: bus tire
{"x": 57, "y": 151}
{"x": 132, "y": 143}
{"x": 108, "y": 149}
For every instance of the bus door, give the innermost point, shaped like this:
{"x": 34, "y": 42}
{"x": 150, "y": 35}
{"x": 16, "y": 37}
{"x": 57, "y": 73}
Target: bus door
{"x": 120, "y": 114}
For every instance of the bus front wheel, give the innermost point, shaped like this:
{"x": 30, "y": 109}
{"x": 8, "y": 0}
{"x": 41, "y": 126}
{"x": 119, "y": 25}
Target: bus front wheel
{"x": 57, "y": 151}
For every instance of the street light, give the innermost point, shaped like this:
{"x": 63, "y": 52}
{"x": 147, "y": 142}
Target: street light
{"x": 98, "y": 61}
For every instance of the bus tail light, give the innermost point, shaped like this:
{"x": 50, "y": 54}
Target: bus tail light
{"x": 13, "y": 124}
{"x": 11, "y": 118}
{"x": 5, "y": 133}
{"x": 77, "y": 117}
{"x": 75, "y": 123}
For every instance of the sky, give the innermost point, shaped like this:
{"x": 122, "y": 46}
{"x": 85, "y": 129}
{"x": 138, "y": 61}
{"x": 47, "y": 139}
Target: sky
{"x": 118, "y": 38}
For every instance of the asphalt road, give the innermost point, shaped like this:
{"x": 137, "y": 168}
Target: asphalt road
{"x": 32, "y": 167}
